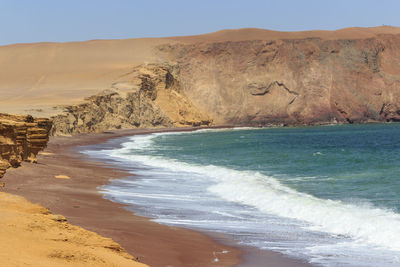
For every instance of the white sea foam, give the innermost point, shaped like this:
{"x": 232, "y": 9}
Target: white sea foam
{"x": 365, "y": 224}
{"x": 255, "y": 208}
{"x": 208, "y": 130}
{"x": 139, "y": 142}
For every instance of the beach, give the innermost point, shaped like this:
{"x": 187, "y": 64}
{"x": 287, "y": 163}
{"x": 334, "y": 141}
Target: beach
{"x": 66, "y": 181}
{"x": 327, "y": 195}
{"x": 142, "y": 134}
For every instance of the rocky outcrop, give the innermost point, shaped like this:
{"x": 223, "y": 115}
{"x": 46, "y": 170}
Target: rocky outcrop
{"x": 297, "y": 81}
{"x": 292, "y": 81}
{"x": 21, "y": 138}
{"x": 146, "y": 96}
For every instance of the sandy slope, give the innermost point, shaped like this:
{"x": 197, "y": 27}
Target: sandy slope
{"x": 32, "y": 236}
{"x": 43, "y": 75}
{"x": 246, "y": 34}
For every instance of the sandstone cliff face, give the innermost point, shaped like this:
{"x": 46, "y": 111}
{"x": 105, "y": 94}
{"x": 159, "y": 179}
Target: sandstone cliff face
{"x": 146, "y": 96}
{"x": 292, "y": 81}
{"x": 21, "y": 138}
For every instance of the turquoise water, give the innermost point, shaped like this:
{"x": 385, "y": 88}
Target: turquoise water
{"x": 333, "y": 162}
{"x": 328, "y": 195}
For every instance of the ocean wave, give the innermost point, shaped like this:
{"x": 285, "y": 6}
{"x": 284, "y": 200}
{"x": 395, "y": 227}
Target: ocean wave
{"x": 363, "y": 223}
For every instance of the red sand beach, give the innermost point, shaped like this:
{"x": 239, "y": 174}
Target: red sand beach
{"x": 65, "y": 182}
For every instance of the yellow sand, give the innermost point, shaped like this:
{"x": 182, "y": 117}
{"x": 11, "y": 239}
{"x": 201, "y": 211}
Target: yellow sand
{"x": 62, "y": 176}
{"x": 37, "y": 77}
{"x": 31, "y": 236}
{"x": 45, "y": 153}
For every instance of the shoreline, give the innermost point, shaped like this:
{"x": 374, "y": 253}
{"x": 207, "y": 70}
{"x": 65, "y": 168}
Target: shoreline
{"x": 81, "y": 202}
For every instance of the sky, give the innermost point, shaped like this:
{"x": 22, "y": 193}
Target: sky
{"x": 25, "y": 21}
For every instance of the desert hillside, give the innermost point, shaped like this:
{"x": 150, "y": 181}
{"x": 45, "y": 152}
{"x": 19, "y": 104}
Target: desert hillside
{"x": 45, "y": 75}
{"x": 245, "y": 76}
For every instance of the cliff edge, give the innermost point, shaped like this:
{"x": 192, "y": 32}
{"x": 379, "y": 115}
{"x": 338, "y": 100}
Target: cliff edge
{"x": 21, "y": 138}
{"x": 256, "y": 77}
{"x": 147, "y": 96}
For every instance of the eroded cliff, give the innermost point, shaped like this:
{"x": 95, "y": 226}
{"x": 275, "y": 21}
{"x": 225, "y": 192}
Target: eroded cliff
{"x": 292, "y": 81}
{"x": 236, "y": 77}
{"x": 21, "y": 138}
{"x": 147, "y": 96}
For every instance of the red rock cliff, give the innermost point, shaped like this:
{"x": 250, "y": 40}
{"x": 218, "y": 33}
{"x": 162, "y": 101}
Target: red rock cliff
{"x": 288, "y": 79}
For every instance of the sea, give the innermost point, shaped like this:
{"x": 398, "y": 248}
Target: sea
{"x": 327, "y": 195}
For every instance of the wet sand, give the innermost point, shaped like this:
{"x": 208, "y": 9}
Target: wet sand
{"x": 65, "y": 181}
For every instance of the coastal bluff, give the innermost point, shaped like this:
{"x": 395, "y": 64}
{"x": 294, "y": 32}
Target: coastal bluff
{"x": 21, "y": 138}
{"x": 259, "y": 77}
{"x": 148, "y": 96}
{"x": 231, "y": 77}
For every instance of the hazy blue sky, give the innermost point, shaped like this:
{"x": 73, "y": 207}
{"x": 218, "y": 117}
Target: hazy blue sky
{"x": 74, "y": 20}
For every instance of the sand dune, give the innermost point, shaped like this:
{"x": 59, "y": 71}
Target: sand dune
{"x": 43, "y": 75}
{"x": 236, "y": 35}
